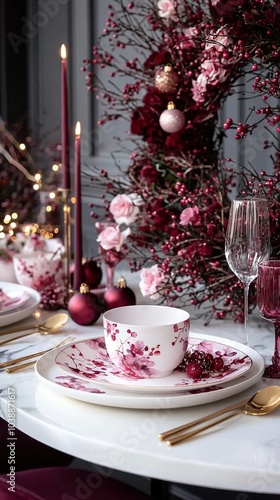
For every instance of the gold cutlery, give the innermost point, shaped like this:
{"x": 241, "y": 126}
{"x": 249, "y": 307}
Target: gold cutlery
{"x": 50, "y": 326}
{"x": 35, "y": 354}
{"x": 23, "y": 366}
{"x": 264, "y": 401}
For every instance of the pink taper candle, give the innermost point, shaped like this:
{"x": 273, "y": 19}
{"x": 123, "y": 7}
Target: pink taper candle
{"x": 64, "y": 121}
{"x": 78, "y": 251}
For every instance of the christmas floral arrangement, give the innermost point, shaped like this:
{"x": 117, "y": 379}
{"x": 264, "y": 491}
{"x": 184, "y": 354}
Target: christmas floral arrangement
{"x": 174, "y": 195}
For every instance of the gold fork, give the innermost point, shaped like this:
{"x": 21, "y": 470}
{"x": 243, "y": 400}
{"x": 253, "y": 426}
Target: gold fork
{"x": 30, "y": 356}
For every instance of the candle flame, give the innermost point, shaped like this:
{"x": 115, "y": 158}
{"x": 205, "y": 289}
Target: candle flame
{"x": 78, "y": 129}
{"x": 63, "y": 52}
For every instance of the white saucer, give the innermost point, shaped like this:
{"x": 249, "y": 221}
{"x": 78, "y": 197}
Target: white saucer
{"x": 27, "y": 308}
{"x": 50, "y": 374}
{"x": 89, "y": 360}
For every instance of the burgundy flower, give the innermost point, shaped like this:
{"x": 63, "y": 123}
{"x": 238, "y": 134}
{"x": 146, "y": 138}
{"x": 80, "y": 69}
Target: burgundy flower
{"x": 157, "y": 59}
{"x": 149, "y": 173}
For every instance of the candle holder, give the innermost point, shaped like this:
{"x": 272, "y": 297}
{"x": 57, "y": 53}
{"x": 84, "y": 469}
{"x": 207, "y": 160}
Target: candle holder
{"x": 65, "y": 199}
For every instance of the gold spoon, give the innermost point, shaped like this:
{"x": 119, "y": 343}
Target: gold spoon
{"x": 264, "y": 401}
{"x": 51, "y": 325}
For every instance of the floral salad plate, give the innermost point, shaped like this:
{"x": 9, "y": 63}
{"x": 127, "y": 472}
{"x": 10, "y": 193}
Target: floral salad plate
{"x": 89, "y": 360}
{"x": 30, "y": 301}
{"x": 12, "y": 299}
{"x": 66, "y": 383}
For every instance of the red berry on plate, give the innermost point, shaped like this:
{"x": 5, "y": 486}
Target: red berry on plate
{"x": 217, "y": 364}
{"x": 194, "y": 370}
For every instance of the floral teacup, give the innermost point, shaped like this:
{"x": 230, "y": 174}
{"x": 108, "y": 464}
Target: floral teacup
{"x": 146, "y": 341}
{"x": 36, "y": 269}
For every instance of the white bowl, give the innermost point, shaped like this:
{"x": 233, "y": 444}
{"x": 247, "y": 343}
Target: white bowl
{"x": 38, "y": 268}
{"x": 146, "y": 341}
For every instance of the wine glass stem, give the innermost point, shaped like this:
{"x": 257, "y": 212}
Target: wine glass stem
{"x": 246, "y": 308}
{"x": 110, "y": 273}
{"x": 276, "y": 356}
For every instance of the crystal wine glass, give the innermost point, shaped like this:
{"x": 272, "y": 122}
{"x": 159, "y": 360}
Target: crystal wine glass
{"x": 268, "y": 288}
{"x": 247, "y": 242}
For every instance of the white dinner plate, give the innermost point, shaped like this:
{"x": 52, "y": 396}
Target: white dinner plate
{"x": 54, "y": 377}
{"x": 89, "y": 360}
{"x": 26, "y": 309}
{"x": 12, "y": 300}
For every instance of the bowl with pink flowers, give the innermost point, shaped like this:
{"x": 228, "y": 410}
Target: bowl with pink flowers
{"x": 36, "y": 269}
{"x": 146, "y": 341}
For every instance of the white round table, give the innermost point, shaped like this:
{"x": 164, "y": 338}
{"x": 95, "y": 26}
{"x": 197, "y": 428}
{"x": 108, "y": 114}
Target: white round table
{"x": 241, "y": 454}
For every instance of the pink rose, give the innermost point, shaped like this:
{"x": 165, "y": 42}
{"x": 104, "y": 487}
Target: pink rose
{"x": 166, "y": 8}
{"x": 214, "y": 72}
{"x": 112, "y": 237}
{"x": 151, "y": 279}
{"x": 191, "y": 34}
{"x": 199, "y": 88}
{"x": 123, "y": 208}
{"x": 190, "y": 215}
{"x": 218, "y": 41}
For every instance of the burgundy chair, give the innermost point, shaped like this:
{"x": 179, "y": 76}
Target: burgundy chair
{"x": 62, "y": 483}
{"x": 30, "y": 453}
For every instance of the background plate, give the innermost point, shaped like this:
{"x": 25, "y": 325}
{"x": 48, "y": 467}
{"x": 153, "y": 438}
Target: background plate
{"x": 26, "y": 310}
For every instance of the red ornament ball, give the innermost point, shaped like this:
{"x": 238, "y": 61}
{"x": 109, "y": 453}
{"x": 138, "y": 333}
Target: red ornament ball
{"x": 119, "y": 295}
{"x": 84, "y": 307}
{"x": 166, "y": 79}
{"x": 172, "y": 120}
{"x": 91, "y": 273}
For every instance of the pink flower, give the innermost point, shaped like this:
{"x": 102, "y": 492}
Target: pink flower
{"x": 218, "y": 41}
{"x": 166, "y": 8}
{"x": 188, "y": 40}
{"x": 151, "y": 279}
{"x": 112, "y": 237}
{"x": 199, "y": 88}
{"x": 190, "y": 216}
{"x": 214, "y": 72}
{"x": 123, "y": 208}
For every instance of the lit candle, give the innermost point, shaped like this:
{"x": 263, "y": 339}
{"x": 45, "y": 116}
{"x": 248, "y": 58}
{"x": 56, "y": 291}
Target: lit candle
{"x": 64, "y": 121}
{"x": 78, "y": 212}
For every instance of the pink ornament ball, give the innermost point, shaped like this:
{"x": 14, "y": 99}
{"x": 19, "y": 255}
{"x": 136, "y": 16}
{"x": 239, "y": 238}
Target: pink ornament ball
{"x": 172, "y": 120}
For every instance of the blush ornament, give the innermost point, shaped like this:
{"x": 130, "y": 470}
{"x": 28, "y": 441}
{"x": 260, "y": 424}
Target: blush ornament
{"x": 172, "y": 120}
{"x": 166, "y": 79}
{"x": 119, "y": 295}
{"x": 84, "y": 307}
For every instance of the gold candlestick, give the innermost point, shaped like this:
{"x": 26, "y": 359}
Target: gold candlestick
{"x": 65, "y": 198}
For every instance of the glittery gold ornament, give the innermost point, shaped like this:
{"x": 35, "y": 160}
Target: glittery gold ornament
{"x": 166, "y": 79}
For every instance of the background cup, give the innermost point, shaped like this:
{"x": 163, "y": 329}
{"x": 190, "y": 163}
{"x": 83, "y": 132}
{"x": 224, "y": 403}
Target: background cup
{"x": 146, "y": 341}
{"x": 36, "y": 269}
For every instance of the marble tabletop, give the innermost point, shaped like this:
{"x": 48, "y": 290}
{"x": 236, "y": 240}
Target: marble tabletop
{"x": 240, "y": 454}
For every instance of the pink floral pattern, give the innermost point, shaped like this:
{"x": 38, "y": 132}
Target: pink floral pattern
{"x": 77, "y": 384}
{"x": 135, "y": 357}
{"x": 89, "y": 360}
{"x": 9, "y": 301}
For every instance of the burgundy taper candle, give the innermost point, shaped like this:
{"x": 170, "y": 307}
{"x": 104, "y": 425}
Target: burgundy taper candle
{"x": 78, "y": 244}
{"x": 64, "y": 121}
